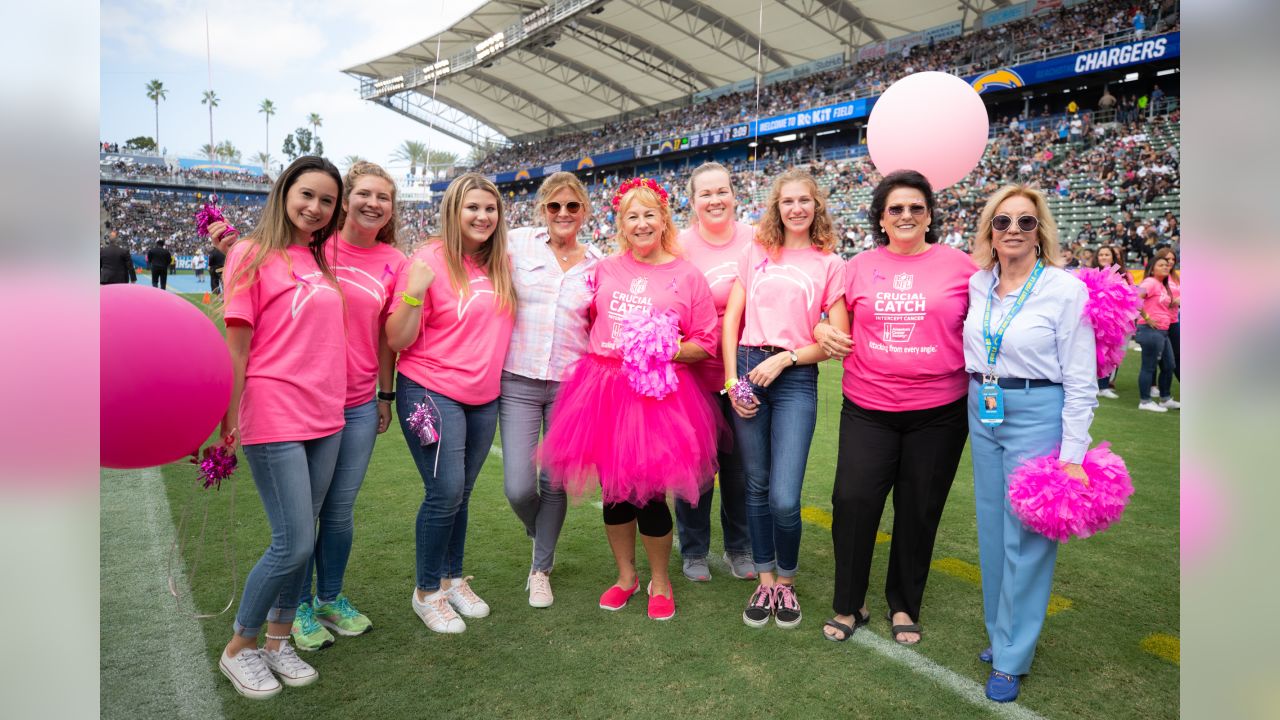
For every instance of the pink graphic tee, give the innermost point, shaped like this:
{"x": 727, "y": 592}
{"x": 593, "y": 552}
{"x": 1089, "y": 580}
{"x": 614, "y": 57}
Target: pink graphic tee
{"x": 907, "y": 314}
{"x": 719, "y": 265}
{"x": 624, "y": 284}
{"x": 463, "y": 340}
{"x": 786, "y": 296}
{"x": 367, "y": 277}
{"x": 295, "y": 379}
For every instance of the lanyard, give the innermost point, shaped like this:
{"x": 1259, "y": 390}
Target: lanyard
{"x": 993, "y": 341}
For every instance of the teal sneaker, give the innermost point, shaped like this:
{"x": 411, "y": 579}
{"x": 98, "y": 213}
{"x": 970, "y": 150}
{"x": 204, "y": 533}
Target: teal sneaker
{"x": 306, "y": 632}
{"x": 341, "y": 617}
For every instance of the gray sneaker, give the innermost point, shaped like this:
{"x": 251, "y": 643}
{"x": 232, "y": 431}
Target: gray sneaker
{"x": 741, "y": 565}
{"x": 696, "y": 569}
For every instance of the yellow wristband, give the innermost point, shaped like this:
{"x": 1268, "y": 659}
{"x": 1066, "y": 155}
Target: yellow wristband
{"x": 410, "y": 300}
{"x": 728, "y": 384}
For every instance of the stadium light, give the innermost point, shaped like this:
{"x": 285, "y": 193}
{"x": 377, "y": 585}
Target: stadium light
{"x": 1167, "y": 71}
{"x": 785, "y": 138}
{"x": 1131, "y": 77}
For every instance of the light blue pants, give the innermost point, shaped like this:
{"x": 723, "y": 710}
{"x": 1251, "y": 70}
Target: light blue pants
{"x": 1017, "y": 563}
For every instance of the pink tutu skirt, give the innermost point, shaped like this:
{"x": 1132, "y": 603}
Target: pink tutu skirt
{"x": 635, "y": 447}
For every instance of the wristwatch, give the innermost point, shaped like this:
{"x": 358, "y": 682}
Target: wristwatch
{"x": 386, "y": 396}
{"x": 794, "y": 357}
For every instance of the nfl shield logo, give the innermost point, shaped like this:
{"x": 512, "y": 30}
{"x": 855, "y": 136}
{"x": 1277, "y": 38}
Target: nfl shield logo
{"x": 902, "y": 282}
{"x": 638, "y": 285}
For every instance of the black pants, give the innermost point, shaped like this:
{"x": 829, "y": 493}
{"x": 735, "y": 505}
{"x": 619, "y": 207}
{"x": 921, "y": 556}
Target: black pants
{"x": 215, "y": 280}
{"x": 915, "y": 453}
{"x": 654, "y": 519}
{"x": 160, "y": 276}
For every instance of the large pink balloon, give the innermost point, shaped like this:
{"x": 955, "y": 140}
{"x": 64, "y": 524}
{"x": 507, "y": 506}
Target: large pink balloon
{"x": 166, "y": 377}
{"x": 930, "y": 122}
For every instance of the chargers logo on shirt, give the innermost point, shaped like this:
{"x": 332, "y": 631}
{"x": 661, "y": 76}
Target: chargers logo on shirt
{"x": 356, "y": 278}
{"x": 788, "y": 274}
{"x": 305, "y": 287}
{"x": 465, "y": 303}
{"x": 902, "y": 282}
{"x": 725, "y": 272}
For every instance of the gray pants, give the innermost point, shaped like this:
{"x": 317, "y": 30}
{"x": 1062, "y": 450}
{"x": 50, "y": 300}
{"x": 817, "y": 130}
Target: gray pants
{"x": 523, "y": 412}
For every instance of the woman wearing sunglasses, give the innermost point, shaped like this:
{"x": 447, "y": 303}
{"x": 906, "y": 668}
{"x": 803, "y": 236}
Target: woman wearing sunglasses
{"x": 1028, "y": 348}
{"x": 552, "y": 280}
{"x": 902, "y": 424}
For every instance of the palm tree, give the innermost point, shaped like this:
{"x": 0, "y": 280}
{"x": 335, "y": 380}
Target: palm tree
{"x": 315, "y": 122}
{"x": 268, "y": 108}
{"x": 263, "y": 159}
{"x": 210, "y": 99}
{"x": 350, "y": 160}
{"x": 440, "y": 159}
{"x": 414, "y": 152}
{"x": 227, "y": 152}
{"x": 156, "y": 93}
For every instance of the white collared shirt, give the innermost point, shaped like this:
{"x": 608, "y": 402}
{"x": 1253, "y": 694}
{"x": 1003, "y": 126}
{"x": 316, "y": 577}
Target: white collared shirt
{"x": 1048, "y": 339}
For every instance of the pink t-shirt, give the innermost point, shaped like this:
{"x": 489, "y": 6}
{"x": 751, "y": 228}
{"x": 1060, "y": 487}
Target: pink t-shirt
{"x": 907, "y": 315}
{"x": 1158, "y": 302}
{"x": 787, "y": 296}
{"x": 367, "y": 277}
{"x": 624, "y": 284}
{"x": 463, "y": 340}
{"x": 719, "y": 265}
{"x": 295, "y": 379}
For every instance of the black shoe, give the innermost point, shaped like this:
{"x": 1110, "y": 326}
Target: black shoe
{"x": 759, "y": 608}
{"x": 786, "y": 607}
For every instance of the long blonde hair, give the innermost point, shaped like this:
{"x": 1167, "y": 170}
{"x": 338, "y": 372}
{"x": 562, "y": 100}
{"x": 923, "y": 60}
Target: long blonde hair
{"x": 492, "y": 256}
{"x": 1046, "y": 232}
{"x": 389, "y": 232}
{"x": 275, "y": 231}
{"x": 771, "y": 233}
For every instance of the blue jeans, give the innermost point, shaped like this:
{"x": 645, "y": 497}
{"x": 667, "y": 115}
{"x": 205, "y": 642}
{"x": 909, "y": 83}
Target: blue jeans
{"x": 524, "y": 409}
{"x": 337, "y": 514}
{"x": 292, "y": 480}
{"x": 1156, "y": 351}
{"x": 694, "y": 523}
{"x": 775, "y": 449}
{"x": 449, "y": 469}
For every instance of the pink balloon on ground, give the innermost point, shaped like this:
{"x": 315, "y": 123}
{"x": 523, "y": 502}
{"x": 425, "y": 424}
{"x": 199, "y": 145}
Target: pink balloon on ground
{"x": 166, "y": 377}
{"x": 930, "y": 122}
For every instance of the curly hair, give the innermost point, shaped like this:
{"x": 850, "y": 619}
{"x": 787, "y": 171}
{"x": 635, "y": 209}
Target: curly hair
{"x": 893, "y": 181}
{"x": 388, "y": 233}
{"x": 771, "y": 233}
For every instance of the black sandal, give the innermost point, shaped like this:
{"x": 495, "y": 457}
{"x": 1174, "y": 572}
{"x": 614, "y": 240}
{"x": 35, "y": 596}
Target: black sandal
{"x": 895, "y": 630}
{"x": 841, "y": 627}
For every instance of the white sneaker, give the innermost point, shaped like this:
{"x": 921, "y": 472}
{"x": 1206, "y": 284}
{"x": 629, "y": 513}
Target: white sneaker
{"x": 1171, "y": 404}
{"x": 1135, "y": 346}
{"x": 465, "y": 600}
{"x": 539, "y": 587}
{"x": 1155, "y": 392}
{"x": 1108, "y": 393}
{"x": 1150, "y": 405}
{"x": 437, "y": 614}
{"x": 291, "y": 669}
{"x": 249, "y": 674}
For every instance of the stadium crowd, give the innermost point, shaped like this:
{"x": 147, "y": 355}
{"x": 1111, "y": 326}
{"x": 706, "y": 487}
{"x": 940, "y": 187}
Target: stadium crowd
{"x": 1081, "y": 26}
{"x": 164, "y": 172}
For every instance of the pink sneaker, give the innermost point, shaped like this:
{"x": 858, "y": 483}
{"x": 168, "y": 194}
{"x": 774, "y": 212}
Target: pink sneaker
{"x": 615, "y": 598}
{"x": 661, "y": 607}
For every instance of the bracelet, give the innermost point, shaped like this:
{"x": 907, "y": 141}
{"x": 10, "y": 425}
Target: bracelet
{"x": 386, "y": 396}
{"x": 410, "y": 300}
{"x": 728, "y": 385}
{"x": 677, "y": 355}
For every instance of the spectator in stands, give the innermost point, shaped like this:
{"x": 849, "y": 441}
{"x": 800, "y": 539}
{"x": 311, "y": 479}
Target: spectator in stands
{"x": 553, "y": 275}
{"x": 1162, "y": 299}
{"x": 287, "y": 413}
{"x": 786, "y": 281}
{"x": 714, "y": 242}
{"x": 159, "y": 259}
{"x": 472, "y": 306}
{"x": 903, "y": 424}
{"x": 1108, "y": 256}
{"x": 115, "y": 265}
{"x": 1107, "y": 101}
{"x": 1042, "y": 372}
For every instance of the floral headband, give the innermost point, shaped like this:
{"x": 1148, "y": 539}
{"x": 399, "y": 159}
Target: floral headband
{"x": 634, "y": 183}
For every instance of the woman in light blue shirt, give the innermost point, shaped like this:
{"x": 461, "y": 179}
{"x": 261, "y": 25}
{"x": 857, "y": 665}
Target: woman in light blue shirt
{"x": 1032, "y": 392}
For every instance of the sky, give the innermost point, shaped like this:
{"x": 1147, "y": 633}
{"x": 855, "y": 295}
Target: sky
{"x": 287, "y": 51}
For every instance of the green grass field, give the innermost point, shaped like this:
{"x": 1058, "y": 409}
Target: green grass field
{"x": 1108, "y": 650}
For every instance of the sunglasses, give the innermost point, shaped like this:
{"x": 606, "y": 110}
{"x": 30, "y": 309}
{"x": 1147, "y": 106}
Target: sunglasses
{"x": 915, "y": 210}
{"x": 1026, "y": 223}
{"x": 572, "y": 207}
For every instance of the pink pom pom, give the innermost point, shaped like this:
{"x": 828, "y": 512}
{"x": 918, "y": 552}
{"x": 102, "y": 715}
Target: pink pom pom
{"x": 208, "y": 215}
{"x": 648, "y": 343}
{"x": 217, "y": 464}
{"x": 1052, "y": 503}
{"x": 423, "y": 423}
{"x": 1112, "y": 310}
{"x": 741, "y": 392}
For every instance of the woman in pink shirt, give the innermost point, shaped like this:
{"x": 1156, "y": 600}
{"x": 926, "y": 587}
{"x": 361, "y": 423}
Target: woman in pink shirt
{"x": 903, "y": 423}
{"x": 452, "y": 335}
{"x": 285, "y": 332}
{"x": 1161, "y": 302}
{"x": 1107, "y": 256}
{"x": 638, "y": 447}
{"x": 365, "y": 260}
{"x": 787, "y": 280}
{"x": 713, "y": 243}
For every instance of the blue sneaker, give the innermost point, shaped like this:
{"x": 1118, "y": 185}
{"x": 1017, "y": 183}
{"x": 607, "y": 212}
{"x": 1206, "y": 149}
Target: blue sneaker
{"x": 1003, "y": 687}
{"x": 985, "y": 656}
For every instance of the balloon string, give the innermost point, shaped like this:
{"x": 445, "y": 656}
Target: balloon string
{"x": 755, "y": 156}
{"x": 176, "y": 548}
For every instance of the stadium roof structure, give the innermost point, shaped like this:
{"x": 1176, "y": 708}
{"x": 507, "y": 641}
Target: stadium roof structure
{"x": 521, "y": 69}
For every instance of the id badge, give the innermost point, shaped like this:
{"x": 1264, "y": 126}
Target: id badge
{"x": 990, "y": 404}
